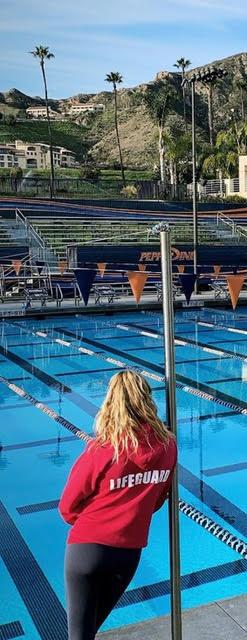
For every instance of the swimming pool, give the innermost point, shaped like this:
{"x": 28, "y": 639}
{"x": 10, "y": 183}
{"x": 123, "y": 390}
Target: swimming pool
{"x": 54, "y": 374}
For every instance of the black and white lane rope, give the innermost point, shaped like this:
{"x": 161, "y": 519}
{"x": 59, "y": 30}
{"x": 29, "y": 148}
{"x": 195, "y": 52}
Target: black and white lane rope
{"x": 187, "y": 388}
{"x": 229, "y": 539}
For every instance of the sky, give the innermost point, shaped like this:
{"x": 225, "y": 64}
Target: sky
{"x": 90, "y": 38}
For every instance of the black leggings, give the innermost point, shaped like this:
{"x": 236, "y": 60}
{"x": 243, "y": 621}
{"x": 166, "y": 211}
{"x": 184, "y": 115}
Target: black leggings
{"x": 96, "y": 576}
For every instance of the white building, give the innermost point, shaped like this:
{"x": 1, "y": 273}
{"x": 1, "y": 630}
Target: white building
{"x": 78, "y": 109}
{"x": 35, "y": 155}
{"x": 40, "y": 112}
{"x": 11, "y": 158}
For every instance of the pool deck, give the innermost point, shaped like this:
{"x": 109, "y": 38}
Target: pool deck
{"x": 126, "y": 303}
{"x": 221, "y": 620}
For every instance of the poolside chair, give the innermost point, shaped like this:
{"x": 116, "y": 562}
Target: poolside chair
{"x": 32, "y": 295}
{"x": 220, "y": 289}
{"x": 102, "y": 292}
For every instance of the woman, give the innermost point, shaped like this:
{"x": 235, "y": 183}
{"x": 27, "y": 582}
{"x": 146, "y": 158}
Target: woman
{"x": 123, "y": 476}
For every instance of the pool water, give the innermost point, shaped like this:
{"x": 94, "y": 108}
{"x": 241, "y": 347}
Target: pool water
{"x": 54, "y": 374}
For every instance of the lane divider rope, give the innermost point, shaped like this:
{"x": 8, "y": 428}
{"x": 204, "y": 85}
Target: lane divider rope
{"x": 230, "y": 540}
{"x": 147, "y": 374}
{"x": 185, "y": 343}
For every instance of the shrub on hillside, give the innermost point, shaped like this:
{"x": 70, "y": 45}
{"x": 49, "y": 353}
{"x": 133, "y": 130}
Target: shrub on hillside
{"x": 130, "y": 191}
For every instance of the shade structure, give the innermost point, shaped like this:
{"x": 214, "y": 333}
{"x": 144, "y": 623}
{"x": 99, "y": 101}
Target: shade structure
{"x": 137, "y": 282}
{"x": 85, "y": 279}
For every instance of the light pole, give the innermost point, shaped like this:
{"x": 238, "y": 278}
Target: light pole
{"x": 206, "y": 76}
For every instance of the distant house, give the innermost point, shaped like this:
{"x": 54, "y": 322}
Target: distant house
{"x": 87, "y": 107}
{"x": 11, "y": 158}
{"x": 35, "y": 155}
{"x": 40, "y": 112}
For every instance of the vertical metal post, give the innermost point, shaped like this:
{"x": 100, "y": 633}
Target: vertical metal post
{"x": 195, "y": 225}
{"x": 166, "y": 268}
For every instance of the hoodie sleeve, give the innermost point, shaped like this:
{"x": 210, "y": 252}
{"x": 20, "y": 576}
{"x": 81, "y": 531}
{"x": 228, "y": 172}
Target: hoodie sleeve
{"x": 165, "y": 493}
{"x": 80, "y": 485}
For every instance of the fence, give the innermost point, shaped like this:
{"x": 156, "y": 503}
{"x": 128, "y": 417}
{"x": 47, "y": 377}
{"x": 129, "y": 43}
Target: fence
{"x": 75, "y": 187}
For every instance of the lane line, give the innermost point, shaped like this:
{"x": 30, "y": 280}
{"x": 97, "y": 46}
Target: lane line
{"x": 41, "y": 601}
{"x": 185, "y": 384}
{"x": 45, "y": 409}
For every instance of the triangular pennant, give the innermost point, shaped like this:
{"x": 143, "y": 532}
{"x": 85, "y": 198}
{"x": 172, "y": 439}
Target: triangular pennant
{"x": 62, "y": 265}
{"x": 235, "y": 284}
{"x": 187, "y": 281}
{"x": 17, "y": 264}
{"x": 181, "y": 268}
{"x": 102, "y": 267}
{"x": 217, "y": 269}
{"x": 141, "y": 267}
{"x": 85, "y": 279}
{"x": 137, "y": 282}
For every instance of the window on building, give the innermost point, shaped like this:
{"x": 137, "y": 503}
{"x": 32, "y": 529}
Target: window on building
{"x": 1, "y": 164}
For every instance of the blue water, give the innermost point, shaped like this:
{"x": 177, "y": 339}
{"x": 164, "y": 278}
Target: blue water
{"x": 38, "y": 452}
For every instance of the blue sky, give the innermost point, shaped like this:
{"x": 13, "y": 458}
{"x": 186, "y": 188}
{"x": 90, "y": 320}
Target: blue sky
{"x": 93, "y": 37}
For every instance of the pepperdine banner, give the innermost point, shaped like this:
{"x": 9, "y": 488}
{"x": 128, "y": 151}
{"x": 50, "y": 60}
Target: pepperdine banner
{"x": 129, "y": 257}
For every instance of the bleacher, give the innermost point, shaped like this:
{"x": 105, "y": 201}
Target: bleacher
{"x": 58, "y": 232}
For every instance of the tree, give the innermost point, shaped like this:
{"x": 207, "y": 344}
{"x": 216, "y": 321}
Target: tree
{"x": 241, "y": 86}
{"x": 159, "y": 99}
{"x": 183, "y": 64}
{"x": 178, "y": 149}
{"x": 42, "y": 53}
{"x": 115, "y": 78}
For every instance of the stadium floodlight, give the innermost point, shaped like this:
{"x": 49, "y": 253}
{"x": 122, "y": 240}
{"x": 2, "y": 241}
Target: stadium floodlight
{"x": 206, "y": 75}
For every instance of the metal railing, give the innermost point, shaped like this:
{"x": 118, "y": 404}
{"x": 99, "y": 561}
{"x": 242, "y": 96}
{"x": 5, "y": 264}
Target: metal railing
{"x": 36, "y": 243}
{"x": 237, "y": 230}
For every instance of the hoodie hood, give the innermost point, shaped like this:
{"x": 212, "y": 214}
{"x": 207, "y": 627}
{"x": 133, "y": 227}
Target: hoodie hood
{"x": 150, "y": 449}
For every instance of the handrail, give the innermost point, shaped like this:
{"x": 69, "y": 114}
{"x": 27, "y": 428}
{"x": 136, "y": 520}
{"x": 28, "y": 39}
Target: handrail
{"x": 237, "y": 229}
{"x": 29, "y": 228}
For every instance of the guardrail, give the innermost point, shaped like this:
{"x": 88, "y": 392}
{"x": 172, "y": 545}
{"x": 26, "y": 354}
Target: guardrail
{"x": 238, "y": 230}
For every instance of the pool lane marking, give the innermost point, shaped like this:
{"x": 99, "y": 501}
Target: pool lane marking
{"x": 11, "y": 630}
{"x": 232, "y": 541}
{"x": 185, "y": 384}
{"x": 225, "y": 536}
{"x": 223, "y": 399}
{"x": 50, "y": 381}
{"x": 41, "y": 601}
{"x": 226, "y": 353}
{"x": 45, "y": 409}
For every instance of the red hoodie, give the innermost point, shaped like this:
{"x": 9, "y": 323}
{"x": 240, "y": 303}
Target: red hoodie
{"x": 112, "y": 503}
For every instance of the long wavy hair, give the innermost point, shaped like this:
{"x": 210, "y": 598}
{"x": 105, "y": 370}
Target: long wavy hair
{"x": 127, "y": 407}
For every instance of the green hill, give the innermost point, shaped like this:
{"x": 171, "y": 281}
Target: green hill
{"x": 65, "y": 134}
{"x": 138, "y": 132}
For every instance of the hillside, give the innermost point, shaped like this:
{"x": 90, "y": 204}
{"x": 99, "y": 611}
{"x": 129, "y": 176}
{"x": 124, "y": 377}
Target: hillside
{"x": 65, "y": 134}
{"x": 138, "y": 131}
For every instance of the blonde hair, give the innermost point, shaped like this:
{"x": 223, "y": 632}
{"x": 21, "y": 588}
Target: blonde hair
{"x": 128, "y": 405}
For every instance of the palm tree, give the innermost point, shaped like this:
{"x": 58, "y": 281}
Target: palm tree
{"x": 241, "y": 85}
{"x": 178, "y": 149}
{"x": 115, "y": 78}
{"x": 158, "y": 99}
{"x": 42, "y": 54}
{"x": 183, "y": 64}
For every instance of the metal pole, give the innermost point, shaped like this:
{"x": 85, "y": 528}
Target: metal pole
{"x": 195, "y": 226}
{"x": 166, "y": 268}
